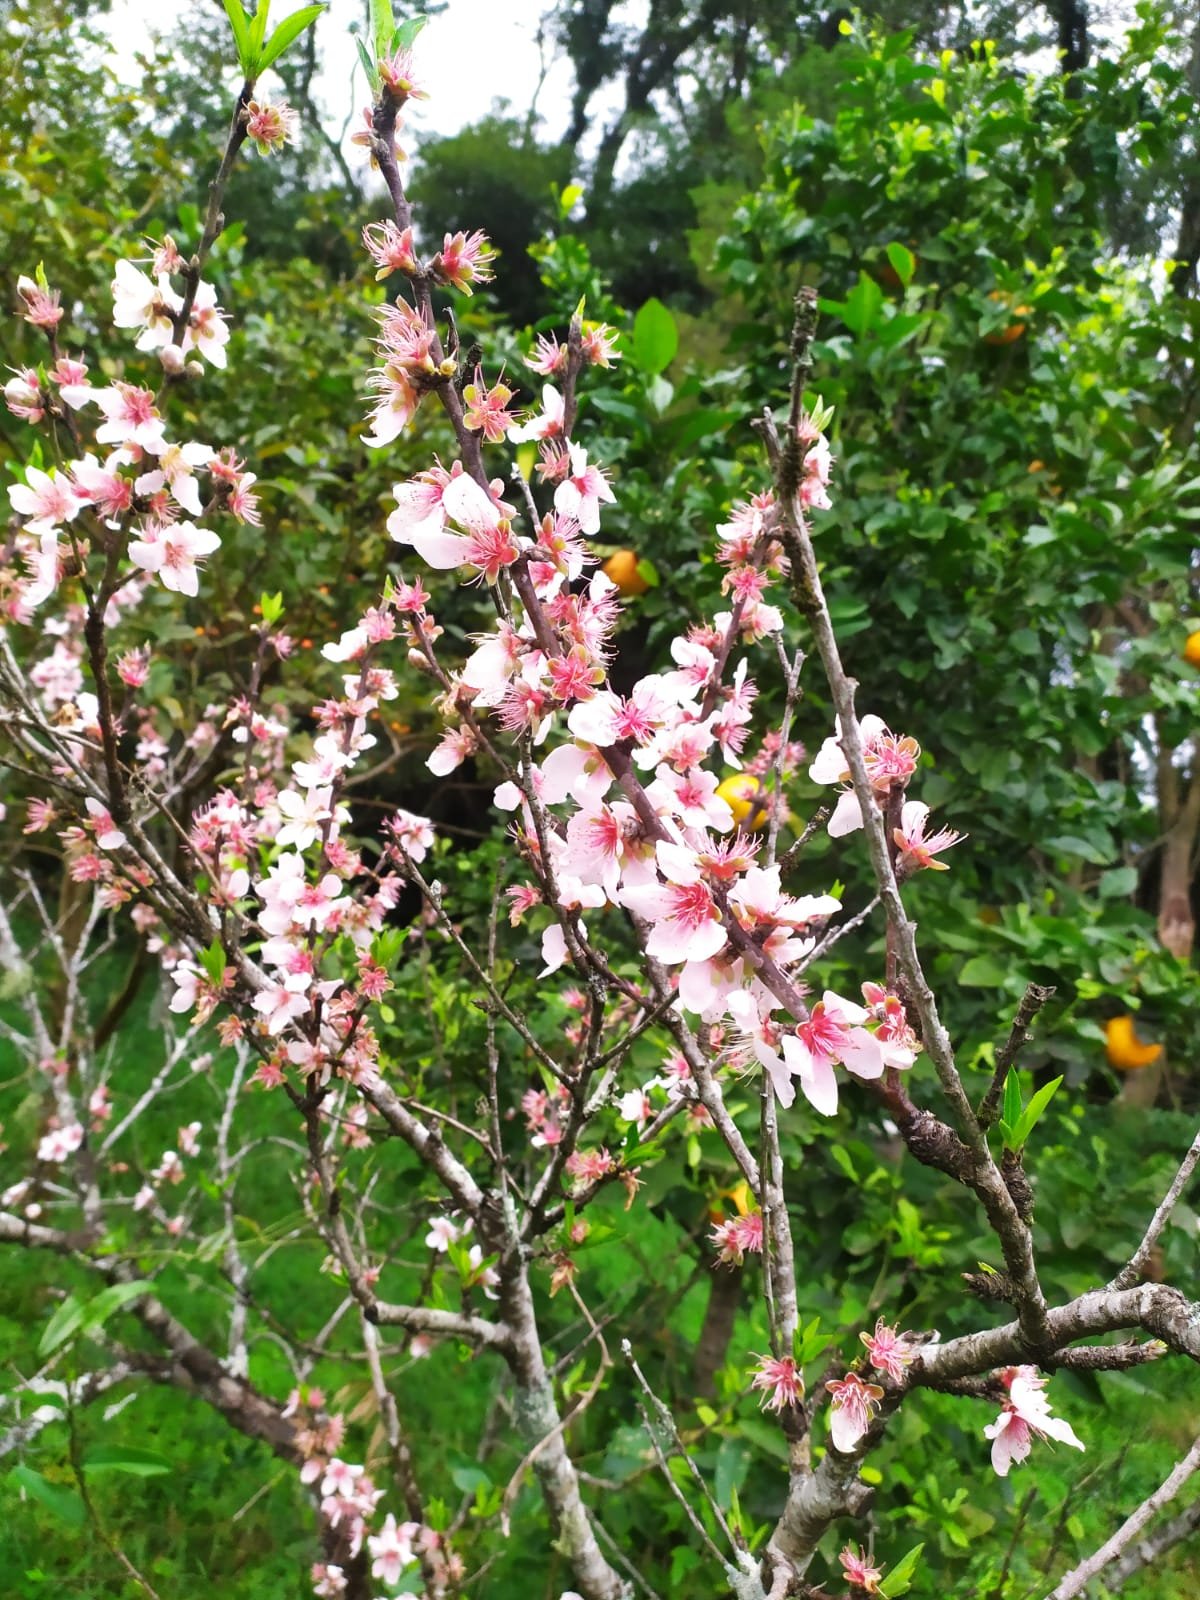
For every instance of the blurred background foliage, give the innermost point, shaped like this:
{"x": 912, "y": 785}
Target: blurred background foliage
{"x": 1000, "y": 207}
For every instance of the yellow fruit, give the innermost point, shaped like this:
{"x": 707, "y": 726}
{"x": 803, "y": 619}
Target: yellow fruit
{"x": 744, "y": 795}
{"x": 1125, "y": 1050}
{"x": 622, "y": 569}
{"x": 1191, "y": 650}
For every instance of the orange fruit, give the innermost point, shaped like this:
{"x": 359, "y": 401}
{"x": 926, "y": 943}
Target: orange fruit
{"x": 1191, "y": 650}
{"x": 1124, "y": 1049}
{"x": 1016, "y": 328}
{"x": 622, "y": 568}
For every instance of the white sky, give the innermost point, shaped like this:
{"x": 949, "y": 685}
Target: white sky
{"x": 479, "y": 51}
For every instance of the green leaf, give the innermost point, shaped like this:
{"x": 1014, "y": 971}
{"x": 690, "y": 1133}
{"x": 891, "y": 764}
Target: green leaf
{"x": 899, "y": 1579}
{"x": 655, "y": 337}
{"x": 241, "y": 34}
{"x": 1117, "y": 883}
{"x": 983, "y": 972}
{"x": 288, "y": 30}
{"x": 258, "y": 31}
{"x": 1034, "y": 1111}
{"x": 469, "y": 1479}
{"x": 660, "y": 393}
{"x": 62, "y": 1325}
{"x": 733, "y": 1461}
{"x": 112, "y": 1299}
{"x": 271, "y": 607}
{"x": 405, "y": 35}
{"x": 126, "y": 1458}
{"x": 648, "y": 573}
{"x": 903, "y": 262}
{"x": 213, "y": 962}
{"x": 72, "y": 1317}
{"x": 64, "y": 1503}
{"x": 369, "y": 67}
{"x": 863, "y": 305}
{"x": 1012, "y": 1098}
{"x": 383, "y": 26}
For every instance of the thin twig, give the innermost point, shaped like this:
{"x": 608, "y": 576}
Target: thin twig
{"x": 1130, "y": 1273}
{"x": 1077, "y": 1580}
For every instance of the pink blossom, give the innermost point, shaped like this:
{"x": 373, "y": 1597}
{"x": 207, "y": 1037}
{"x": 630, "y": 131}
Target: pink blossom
{"x": 60, "y": 1143}
{"x": 99, "y": 1108}
{"x": 131, "y": 418}
{"x": 589, "y": 1166}
{"x": 442, "y": 1234}
{"x": 176, "y": 471}
{"x": 691, "y": 797}
{"x": 413, "y": 834}
{"x": 145, "y": 303}
{"x": 737, "y": 1235}
{"x": 854, "y": 1404}
{"x": 1024, "y": 1416}
{"x": 889, "y": 761}
{"x": 44, "y": 500}
{"x": 396, "y": 71}
{"x": 599, "y": 839}
{"x": 599, "y": 343}
{"x": 859, "y": 1572}
{"x": 897, "y": 1041}
{"x": 419, "y": 509}
{"x": 916, "y": 849}
{"x": 391, "y": 249}
{"x": 269, "y": 127}
{"x": 635, "y": 1107}
{"x": 70, "y": 378}
{"x": 340, "y": 1478}
{"x": 780, "y": 1380}
{"x": 166, "y": 257}
{"x": 833, "y": 1035}
{"x": 607, "y": 718}
{"x": 463, "y": 260}
{"x": 888, "y": 1349}
{"x": 242, "y": 503}
{"x": 328, "y": 1581}
{"x": 278, "y": 1003}
{"x": 455, "y": 745}
{"x": 582, "y": 492}
{"x": 39, "y": 816}
{"x": 133, "y": 668}
{"x": 108, "y": 835}
{"x": 818, "y": 466}
{"x": 547, "y": 356}
{"x": 686, "y": 922}
{"x": 23, "y": 395}
{"x": 304, "y": 816}
{"x": 103, "y": 486}
{"x": 486, "y": 410}
{"x": 207, "y": 329}
{"x": 171, "y": 552}
{"x": 547, "y": 424}
{"x": 488, "y": 543}
{"x": 41, "y": 304}
{"x": 392, "y": 1549}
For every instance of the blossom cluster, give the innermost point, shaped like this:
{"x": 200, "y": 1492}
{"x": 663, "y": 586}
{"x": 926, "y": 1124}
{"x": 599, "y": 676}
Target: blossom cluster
{"x": 654, "y": 807}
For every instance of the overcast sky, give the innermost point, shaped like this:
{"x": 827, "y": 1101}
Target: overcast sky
{"x": 478, "y": 51}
